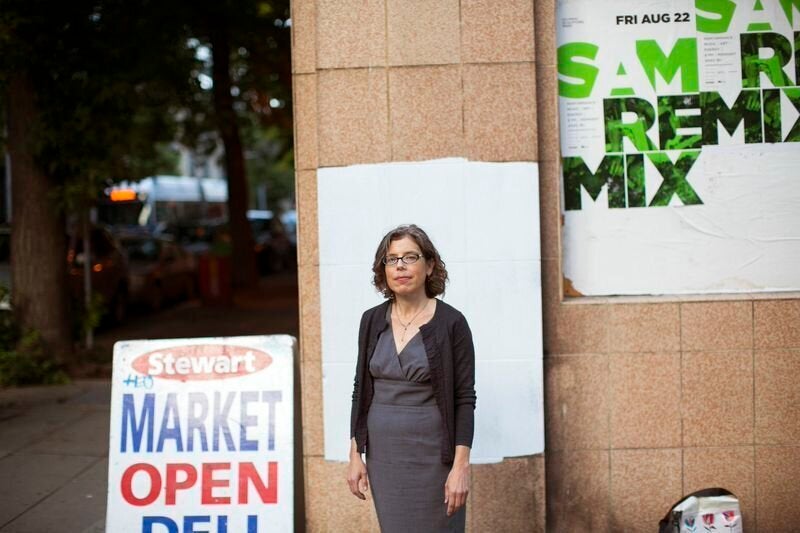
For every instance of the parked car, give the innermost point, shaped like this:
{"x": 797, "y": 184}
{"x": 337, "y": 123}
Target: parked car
{"x": 109, "y": 271}
{"x": 161, "y": 271}
{"x": 275, "y": 247}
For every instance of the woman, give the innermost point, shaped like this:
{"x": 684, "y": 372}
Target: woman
{"x": 414, "y": 393}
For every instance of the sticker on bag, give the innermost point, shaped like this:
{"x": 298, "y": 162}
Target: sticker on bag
{"x": 704, "y": 511}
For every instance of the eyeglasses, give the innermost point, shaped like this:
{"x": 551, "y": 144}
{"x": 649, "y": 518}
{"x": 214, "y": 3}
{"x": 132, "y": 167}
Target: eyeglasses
{"x": 408, "y": 259}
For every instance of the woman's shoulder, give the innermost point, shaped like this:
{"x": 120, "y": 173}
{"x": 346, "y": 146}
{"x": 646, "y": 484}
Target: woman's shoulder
{"x": 378, "y": 311}
{"x": 447, "y": 313}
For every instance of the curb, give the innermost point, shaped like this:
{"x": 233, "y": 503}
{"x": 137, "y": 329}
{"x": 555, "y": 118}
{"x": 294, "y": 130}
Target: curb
{"x": 15, "y": 397}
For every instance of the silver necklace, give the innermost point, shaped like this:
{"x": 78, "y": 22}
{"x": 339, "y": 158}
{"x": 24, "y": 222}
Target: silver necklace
{"x": 405, "y": 326}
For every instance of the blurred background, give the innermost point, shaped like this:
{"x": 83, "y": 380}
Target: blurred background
{"x": 147, "y": 179}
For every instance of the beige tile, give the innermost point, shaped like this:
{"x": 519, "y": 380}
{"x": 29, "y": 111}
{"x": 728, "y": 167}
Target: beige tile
{"x": 539, "y": 495}
{"x": 777, "y": 324}
{"x": 551, "y": 294}
{"x": 496, "y": 32}
{"x": 576, "y": 399}
{"x": 500, "y": 112}
{"x": 549, "y": 210}
{"x": 644, "y": 327}
{"x": 777, "y": 386}
{"x": 717, "y": 401}
{"x": 551, "y": 285}
{"x": 426, "y": 113}
{"x": 351, "y": 33}
{"x": 311, "y": 338}
{"x": 353, "y": 117}
{"x": 496, "y": 507}
{"x": 729, "y": 468}
{"x": 423, "y": 32}
{"x": 330, "y": 507}
{"x": 578, "y": 491}
{"x": 307, "y": 220}
{"x": 580, "y": 328}
{"x": 305, "y": 121}
{"x": 311, "y": 383}
{"x": 716, "y": 325}
{"x": 644, "y": 484}
{"x": 304, "y": 36}
{"x": 547, "y": 109}
{"x": 777, "y": 489}
{"x": 470, "y": 520}
{"x": 310, "y": 341}
{"x": 308, "y": 282}
{"x": 545, "y": 29}
{"x": 645, "y": 400}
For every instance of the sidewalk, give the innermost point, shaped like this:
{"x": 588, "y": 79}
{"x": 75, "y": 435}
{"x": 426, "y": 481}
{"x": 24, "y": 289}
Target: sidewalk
{"x": 54, "y": 440}
{"x": 54, "y": 458}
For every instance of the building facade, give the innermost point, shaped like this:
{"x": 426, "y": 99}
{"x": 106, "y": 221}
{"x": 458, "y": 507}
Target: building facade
{"x": 646, "y": 397}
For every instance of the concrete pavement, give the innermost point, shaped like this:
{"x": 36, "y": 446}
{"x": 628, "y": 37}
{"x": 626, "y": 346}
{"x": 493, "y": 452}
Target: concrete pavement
{"x": 54, "y": 440}
{"x": 54, "y": 458}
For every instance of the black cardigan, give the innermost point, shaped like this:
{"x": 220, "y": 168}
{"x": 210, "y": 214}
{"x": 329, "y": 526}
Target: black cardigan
{"x": 451, "y": 357}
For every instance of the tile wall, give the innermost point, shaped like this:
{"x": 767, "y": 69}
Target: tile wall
{"x": 644, "y": 401}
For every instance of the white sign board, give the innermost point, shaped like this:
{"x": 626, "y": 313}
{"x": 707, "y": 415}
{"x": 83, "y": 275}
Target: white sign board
{"x": 680, "y": 123}
{"x": 202, "y": 436}
{"x": 484, "y": 220}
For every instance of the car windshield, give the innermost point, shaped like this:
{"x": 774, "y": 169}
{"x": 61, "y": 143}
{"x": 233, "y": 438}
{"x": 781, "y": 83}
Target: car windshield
{"x": 142, "y": 249}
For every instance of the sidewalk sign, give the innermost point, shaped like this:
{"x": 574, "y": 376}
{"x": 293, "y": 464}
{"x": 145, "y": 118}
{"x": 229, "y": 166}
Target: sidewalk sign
{"x": 202, "y": 435}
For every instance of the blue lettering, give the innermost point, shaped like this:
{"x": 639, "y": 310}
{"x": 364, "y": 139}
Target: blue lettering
{"x": 246, "y": 421}
{"x": 149, "y": 521}
{"x": 167, "y": 431}
{"x": 190, "y": 521}
{"x": 221, "y": 422}
{"x": 272, "y": 397}
{"x": 145, "y": 422}
{"x": 196, "y": 422}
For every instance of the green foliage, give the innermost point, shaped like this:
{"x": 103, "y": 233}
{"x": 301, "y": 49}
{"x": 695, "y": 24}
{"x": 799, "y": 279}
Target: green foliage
{"x": 28, "y": 364}
{"x": 269, "y": 161}
{"x": 259, "y": 37}
{"x": 91, "y": 318}
{"x": 110, "y": 77}
{"x": 117, "y": 81}
{"x": 23, "y": 358}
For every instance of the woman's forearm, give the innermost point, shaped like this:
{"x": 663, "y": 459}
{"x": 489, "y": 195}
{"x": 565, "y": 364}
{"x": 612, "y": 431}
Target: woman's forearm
{"x": 462, "y": 455}
{"x": 354, "y": 448}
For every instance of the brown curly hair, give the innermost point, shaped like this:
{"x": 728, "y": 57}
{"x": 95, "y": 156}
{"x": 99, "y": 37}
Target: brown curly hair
{"x": 434, "y": 284}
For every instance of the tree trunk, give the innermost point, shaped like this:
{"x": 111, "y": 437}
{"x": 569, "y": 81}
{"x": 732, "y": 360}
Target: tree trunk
{"x": 244, "y": 264}
{"x": 38, "y": 241}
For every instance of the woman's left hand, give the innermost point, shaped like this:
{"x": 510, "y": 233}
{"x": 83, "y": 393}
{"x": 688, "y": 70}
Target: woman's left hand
{"x": 456, "y": 488}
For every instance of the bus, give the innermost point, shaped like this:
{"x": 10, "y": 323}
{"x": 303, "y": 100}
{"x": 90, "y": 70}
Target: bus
{"x": 159, "y": 203}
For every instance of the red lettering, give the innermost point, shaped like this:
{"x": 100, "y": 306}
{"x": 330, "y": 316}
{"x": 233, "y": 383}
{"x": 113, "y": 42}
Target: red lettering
{"x": 173, "y": 485}
{"x": 209, "y": 483}
{"x": 248, "y": 472}
{"x": 184, "y": 476}
{"x": 127, "y": 484}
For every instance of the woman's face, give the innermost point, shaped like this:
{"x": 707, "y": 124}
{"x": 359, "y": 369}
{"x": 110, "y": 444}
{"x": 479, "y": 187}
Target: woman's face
{"x": 403, "y": 279}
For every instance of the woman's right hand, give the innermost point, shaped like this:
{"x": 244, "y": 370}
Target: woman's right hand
{"x": 357, "y": 475}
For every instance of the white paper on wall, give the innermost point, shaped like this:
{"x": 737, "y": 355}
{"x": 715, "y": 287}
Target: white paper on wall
{"x": 484, "y": 220}
{"x": 679, "y": 139}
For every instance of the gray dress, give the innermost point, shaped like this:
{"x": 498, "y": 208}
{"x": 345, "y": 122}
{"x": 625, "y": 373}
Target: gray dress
{"x": 404, "y": 445}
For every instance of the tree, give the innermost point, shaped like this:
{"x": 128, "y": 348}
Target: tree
{"x": 38, "y": 247}
{"x": 250, "y": 68}
{"x": 90, "y": 88}
{"x": 93, "y": 88}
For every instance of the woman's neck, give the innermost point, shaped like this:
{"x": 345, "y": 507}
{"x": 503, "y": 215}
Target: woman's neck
{"x": 407, "y": 306}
